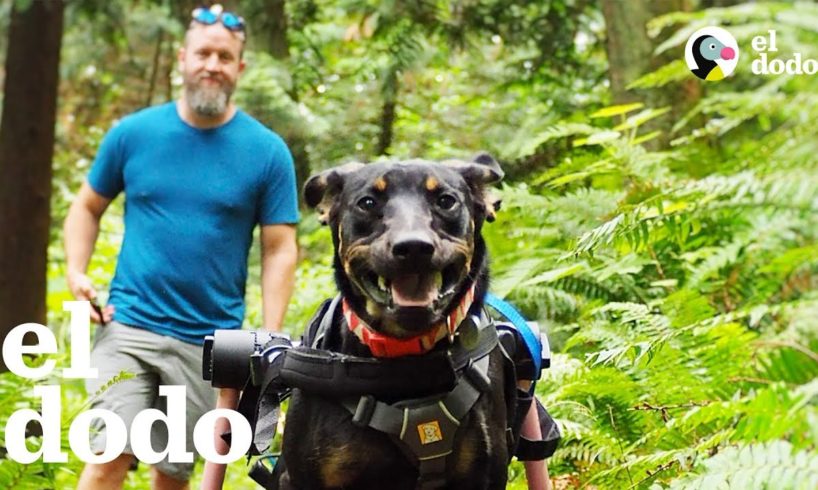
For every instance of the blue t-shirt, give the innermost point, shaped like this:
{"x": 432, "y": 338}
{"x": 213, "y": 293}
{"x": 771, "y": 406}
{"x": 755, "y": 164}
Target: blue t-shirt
{"x": 192, "y": 199}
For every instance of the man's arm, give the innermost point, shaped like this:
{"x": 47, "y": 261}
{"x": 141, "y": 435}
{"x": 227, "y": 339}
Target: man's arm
{"x": 81, "y": 229}
{"x": 279, "y": 253}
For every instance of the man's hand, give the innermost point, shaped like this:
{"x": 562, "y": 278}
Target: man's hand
{"x": 81, "y": 228}
{"x": 83, "y": 289}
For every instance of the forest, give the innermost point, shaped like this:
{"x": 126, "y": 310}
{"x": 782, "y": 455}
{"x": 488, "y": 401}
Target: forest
{"x": 663, "y": 229}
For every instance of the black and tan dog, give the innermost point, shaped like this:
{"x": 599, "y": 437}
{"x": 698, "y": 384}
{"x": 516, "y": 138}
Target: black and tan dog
{"x": 410, "y": 264}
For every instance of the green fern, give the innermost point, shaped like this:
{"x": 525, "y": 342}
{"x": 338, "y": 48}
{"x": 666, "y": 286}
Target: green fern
{"x": 764, "y": 466}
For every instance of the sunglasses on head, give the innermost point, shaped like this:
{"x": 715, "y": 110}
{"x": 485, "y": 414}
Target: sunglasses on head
{"x": 216, "y": 13}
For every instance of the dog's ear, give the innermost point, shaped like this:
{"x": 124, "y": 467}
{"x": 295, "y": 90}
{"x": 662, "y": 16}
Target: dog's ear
{"x": 483, "y": 169}
{"x": 486, "y": 168}
{"x": 321, "y": 189}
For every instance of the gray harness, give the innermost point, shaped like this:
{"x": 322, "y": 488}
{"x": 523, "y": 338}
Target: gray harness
{"x": 425, "y": 429}
{"x": 435, "y": 392}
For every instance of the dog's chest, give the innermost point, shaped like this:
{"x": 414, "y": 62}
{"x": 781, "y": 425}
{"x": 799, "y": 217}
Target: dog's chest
{"x": 333, "y": 452}
{"x": 325, "y": 449}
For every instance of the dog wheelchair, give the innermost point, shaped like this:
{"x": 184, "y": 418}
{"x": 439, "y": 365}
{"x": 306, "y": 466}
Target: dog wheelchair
{"x": 386, "y": 394}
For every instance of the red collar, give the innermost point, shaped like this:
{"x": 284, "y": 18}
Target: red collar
{"x": 385, "y": 346}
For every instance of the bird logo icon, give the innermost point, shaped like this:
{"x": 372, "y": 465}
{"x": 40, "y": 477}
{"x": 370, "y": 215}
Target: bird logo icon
{"x": 711, "y": 53}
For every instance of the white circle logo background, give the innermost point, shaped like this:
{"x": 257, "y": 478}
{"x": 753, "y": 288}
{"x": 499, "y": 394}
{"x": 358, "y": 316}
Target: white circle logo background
{"x": 727, "y": 66}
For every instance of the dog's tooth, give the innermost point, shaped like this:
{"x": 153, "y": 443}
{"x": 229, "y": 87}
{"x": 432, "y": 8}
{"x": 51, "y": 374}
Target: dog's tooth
{"x": 439, "y": 279}
{"x": 382, "y": 282}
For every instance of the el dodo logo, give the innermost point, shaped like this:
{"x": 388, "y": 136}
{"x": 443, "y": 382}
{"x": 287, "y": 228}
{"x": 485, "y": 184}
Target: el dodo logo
{"x": 49, "y": 417}
{"x": 711, "y": 53}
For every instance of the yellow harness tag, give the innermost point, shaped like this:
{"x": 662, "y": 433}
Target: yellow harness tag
{"x": 429, "y": 432}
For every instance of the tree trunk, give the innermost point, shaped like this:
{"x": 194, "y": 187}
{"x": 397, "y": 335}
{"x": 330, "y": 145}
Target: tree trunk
{"x": 630, "y": 55}
{"x": 387, "y": 123}
{"x": 388, "y": 114}
{"x": 170, "y": 66}
{"x": 630, "y": 50}
{"x": 157, "y": 57}
{"x": 276, "y": 29}
{"x": 301, "y": 159}
{"x": 267, "y": 26}
{"x": 26, "y": 150}
{"x": 181, "y": 9}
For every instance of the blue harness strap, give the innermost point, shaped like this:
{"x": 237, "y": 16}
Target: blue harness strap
{"x": 532, "y": 340}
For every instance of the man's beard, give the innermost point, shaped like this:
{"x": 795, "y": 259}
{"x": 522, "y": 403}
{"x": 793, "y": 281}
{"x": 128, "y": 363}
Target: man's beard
{"x": 208, "y": 101}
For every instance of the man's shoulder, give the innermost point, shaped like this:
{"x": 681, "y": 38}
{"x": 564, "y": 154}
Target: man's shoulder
{"x": 147, "y": 117}
{"x": 257, "y": 128}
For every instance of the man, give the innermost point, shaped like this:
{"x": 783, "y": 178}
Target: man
{"x": 197, "y": 174}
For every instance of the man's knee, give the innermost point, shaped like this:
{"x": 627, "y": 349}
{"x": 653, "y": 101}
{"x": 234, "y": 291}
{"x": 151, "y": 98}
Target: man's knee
{"x": 109, "y": 475}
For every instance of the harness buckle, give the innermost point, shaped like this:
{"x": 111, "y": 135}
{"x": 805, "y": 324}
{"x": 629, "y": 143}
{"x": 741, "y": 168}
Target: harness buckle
{"x": 364, "y": 411}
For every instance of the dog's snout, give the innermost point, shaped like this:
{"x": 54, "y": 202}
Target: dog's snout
{"x": 413, "y": 246}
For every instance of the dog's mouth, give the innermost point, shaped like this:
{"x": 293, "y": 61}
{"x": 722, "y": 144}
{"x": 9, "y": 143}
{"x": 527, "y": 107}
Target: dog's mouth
{"x": 429, "y": 289}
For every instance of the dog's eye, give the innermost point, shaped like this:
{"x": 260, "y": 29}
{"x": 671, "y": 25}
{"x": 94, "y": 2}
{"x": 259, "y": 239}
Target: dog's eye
{"x": 367, "y": 203}
{"x": 446, "y": 201}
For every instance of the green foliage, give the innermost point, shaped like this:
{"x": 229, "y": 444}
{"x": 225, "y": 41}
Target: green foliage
{"x": 675, "y": 281}
{"x": 679, "y": 286}
{"x": 16, "y": 393}
{"x": 773, "y": 465}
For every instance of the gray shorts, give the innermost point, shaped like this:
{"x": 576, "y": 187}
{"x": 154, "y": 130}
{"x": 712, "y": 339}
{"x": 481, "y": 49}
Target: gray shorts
{"x": 154, "y": 360}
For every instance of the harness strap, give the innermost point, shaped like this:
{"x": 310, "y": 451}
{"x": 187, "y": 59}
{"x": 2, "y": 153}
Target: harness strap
{"x": 425, "y": 428}
{"x": 333, "y": 374}
{"x": 392, "y": 419}
{"x": 264, "y": 393}
{"x": 531, "y": 450}
{"x": 327, "y": 373}
{"x": 432, "y": 473}
{"x": 532, "y": 341}
{"x": 268, "y": 479}
{"x": 315, "y": 336}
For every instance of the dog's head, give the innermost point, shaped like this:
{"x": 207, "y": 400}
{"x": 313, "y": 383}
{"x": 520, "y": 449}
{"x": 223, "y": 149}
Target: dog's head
{"x": 407, "y": 236}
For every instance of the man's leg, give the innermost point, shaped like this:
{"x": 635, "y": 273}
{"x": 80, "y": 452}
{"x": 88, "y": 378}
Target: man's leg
{"x": 179, "y": 364}
{"x": 213, "y": 473}
{"x": 108, "y": 476}
{"x": 161, "y": 481}
{"x": 115, "y": 352}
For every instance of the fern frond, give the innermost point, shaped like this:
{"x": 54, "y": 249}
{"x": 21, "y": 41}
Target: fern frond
{"x": 770, "y": 465}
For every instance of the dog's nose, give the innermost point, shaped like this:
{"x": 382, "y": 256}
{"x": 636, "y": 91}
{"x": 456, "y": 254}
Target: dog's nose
{"x": 413, "y": 246}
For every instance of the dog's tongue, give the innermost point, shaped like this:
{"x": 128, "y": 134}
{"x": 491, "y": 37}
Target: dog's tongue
{"x": 414, "y": 290}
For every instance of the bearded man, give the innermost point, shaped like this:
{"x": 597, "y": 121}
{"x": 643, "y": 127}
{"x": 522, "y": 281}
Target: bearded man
{"x": 198, "y": 174}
